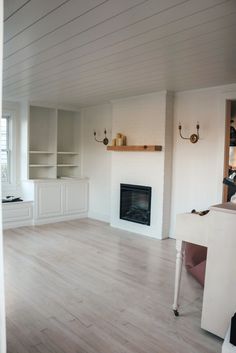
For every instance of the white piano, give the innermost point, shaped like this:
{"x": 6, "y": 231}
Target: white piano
{"x": 216, "y": 231}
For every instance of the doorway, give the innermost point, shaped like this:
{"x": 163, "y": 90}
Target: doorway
{"x": 230, "y": 150}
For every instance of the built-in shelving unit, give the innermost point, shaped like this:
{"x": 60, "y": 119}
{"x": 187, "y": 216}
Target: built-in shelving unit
{"x": 42, "y": 142}
{"x": 68, "y": 144}
{"x": 136, "y": 148}
{"x": 53, "y": 143}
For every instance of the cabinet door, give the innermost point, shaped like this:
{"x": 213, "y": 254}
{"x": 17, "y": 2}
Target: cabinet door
{"x": 49, "y": 200}
{"x": 76, "y": 197}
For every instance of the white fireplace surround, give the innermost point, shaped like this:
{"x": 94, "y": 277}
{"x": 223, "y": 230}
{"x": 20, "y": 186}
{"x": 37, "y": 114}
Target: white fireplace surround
{"x": 146, "y": 120}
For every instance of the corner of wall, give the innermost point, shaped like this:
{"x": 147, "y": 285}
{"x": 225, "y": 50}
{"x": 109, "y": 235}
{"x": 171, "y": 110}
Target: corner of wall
{"x": 167, "y": 191}
{"x": 95, "y": 160}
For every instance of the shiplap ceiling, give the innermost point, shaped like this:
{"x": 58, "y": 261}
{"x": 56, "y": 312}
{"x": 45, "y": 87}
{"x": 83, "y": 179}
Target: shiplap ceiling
{"x": 84, "y": 52}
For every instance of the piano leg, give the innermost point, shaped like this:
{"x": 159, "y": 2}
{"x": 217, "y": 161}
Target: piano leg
{"x": 178, "y": 272}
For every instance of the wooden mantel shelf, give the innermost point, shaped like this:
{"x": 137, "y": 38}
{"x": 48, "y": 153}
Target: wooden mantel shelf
{"x": 136, "y": 148}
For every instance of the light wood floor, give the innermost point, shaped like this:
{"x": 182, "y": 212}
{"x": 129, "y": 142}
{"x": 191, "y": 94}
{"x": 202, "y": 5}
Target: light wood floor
{"x": 83, "y": 287}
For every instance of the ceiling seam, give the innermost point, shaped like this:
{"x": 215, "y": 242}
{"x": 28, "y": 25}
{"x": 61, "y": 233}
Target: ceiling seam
{"x": 133, "y": 56}
{"x": 47, "y": 14}
{"x": 101, "y": 37}
{"x": 45, "y": 35}
{"x": 164, "y": 37}
{"x": 14, "y": 12}
{"x": 72, "y": 87}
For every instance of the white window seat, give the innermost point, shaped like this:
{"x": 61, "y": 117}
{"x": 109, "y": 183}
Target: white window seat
{"x": 17, "y": 214}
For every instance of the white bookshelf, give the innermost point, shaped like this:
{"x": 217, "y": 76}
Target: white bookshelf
{"x": 68, "y": 142}
{"x": 42, "y": 142}
{"x": 42, "y": 129}
{"x": 54, "y": 140}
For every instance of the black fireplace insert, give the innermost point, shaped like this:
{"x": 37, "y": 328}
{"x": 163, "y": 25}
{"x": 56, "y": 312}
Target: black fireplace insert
{"x": 135, "y": 203}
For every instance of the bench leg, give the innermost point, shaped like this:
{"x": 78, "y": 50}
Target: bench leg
{"x": 178, "y": 272}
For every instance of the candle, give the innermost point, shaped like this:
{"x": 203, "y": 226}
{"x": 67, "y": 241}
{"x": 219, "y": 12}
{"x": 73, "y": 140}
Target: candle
{"x": 119, "y": 141}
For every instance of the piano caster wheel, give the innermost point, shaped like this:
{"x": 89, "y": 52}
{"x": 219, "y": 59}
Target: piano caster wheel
{"x": 176, "y": 312}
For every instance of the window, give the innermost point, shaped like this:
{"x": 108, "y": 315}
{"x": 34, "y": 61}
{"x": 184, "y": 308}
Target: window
{"x": 5, "y": 149}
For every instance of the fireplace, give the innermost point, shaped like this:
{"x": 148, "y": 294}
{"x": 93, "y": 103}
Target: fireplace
{"x": 135, "y": 203}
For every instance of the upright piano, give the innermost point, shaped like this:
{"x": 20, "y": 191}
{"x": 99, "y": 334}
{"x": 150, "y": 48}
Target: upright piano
{"x": 217, "y": 231}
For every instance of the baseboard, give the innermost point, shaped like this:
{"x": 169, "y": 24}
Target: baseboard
{"x": 99, "y": 216}
{"x": 13, "y": 225}
{"x": 60, "y": 219}
{"x": 135, "y": 231}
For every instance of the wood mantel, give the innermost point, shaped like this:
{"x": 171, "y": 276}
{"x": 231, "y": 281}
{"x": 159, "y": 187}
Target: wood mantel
{"x": 135, "y": 148}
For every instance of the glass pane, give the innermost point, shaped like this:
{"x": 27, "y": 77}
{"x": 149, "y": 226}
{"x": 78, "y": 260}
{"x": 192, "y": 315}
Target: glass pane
{"x": 4, "y": 166}
{"x": 4, "y": 134}
{"x": 135, "y": 203}
{"x": 4, "y": 138}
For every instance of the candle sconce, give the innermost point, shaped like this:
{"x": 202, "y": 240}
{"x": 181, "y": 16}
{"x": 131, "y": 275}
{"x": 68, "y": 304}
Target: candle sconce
{"x": 192, "y": 138}
{"x": 105, "y": 140}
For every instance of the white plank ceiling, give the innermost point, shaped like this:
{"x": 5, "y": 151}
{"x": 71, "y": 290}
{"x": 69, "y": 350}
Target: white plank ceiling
{"x": 84, "y": 52}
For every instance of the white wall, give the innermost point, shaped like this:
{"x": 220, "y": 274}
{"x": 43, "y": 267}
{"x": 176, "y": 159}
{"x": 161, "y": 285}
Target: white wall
{"x": 96, "y": 160}
{"x": 168, "y": 164}
{"x": 2, "y": 299}
{"x": 198, "y": 168}
{"x": 143, "y": 120}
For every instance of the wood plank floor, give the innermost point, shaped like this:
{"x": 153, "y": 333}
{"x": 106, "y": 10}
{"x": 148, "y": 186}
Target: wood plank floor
{"x": 84, "y": 287}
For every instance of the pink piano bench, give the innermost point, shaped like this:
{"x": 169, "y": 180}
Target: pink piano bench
{"x": 195, "y": 261}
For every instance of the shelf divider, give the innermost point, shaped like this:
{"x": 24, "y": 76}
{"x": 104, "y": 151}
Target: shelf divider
{"x": 67, "y": 165}
{"x": 72, "y": 153}
{"x": 41, "y": 152}
{"x": 42, "y": 166}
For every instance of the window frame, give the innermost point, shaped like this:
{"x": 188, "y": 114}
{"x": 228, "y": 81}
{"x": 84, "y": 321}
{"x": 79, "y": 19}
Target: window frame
{"x": 7, "y": 149}
{"x": 12, "y": 167}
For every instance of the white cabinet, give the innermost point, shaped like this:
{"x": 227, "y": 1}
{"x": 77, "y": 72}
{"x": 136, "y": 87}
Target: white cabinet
{"x": 75, "y": 197}
{"x": 58, "y": 200}
{"x": 49, "y": 200}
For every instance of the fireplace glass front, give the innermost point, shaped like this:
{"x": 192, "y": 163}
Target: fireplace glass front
{"x": 135, "y": 203}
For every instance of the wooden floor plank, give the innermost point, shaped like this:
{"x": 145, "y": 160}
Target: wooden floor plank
{"x": 84, "y": 287}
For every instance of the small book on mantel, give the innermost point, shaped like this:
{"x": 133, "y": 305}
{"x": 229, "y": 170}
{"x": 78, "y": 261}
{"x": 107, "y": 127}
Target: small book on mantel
{"x": 233, "y": 330}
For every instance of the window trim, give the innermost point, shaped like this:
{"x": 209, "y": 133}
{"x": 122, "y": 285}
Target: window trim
{"x": 12, "y": 148}
{"x": 8, "y": 147}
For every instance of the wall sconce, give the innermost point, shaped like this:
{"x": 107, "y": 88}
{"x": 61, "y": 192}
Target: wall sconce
{"x": 194, "y": 137}
{"x": 105, "y": 141}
